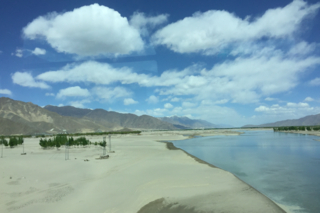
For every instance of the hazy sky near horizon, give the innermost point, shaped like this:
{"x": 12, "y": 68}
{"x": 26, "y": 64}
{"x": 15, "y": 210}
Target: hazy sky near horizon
{"x": 228, "y": 62}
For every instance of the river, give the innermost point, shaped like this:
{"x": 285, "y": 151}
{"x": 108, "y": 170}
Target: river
{"x": 283, "y": 166}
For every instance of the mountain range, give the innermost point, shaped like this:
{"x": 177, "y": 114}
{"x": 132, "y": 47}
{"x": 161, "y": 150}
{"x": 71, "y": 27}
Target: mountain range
{"x": 310, "y": 120}
{"x": 17, "y": 117}
{"x": 187, "y": 123}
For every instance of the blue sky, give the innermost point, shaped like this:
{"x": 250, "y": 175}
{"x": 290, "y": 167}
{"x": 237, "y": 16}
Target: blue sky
{"x": 228, "y": 62}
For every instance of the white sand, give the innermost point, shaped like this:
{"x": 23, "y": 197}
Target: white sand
{"x": 140, "y": 171}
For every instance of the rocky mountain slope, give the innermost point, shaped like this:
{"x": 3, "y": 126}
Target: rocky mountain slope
{"x": 35, "y": 119}
{"x": 112, "y": 119}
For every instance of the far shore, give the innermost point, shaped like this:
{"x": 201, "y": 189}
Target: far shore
{"x": 141, "y": 175}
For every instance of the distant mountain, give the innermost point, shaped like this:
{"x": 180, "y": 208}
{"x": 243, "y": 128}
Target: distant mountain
{"x": 112, "y": 119}
{"x": 29, "y": 118}
{"x": 17, "y": 117}
{"x": 310, "y": 120}
{"x": 187, "y": 123}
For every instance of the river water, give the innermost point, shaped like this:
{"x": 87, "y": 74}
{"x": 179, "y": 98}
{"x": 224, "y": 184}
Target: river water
{"x": 283, "y": 166}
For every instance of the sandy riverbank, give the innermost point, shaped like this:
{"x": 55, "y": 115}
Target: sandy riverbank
{"x": 141, "y": 176}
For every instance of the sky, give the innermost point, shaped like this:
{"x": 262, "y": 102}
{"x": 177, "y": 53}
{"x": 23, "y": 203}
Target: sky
{"x": 228, "y": 62}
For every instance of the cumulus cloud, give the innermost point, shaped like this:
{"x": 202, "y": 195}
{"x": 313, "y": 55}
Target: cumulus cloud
{"x": 109, "y": 94}
{"x": 152, "y": 99}
{"x": 315, "y": 82}
{"x": 290, "y": 109}
{"x": 38, "y": 51}
{"x": 243, "y": 80}
{"x": 93, "y": 72}
{"x": 142, "y": 22}
{"x": 86, "y": 31}
{"x": 5, "y": 92}
{"x": 129, "y": 101}
{"x": 308, "y": 99}
{"x": 168, "y": 106}
{"x": 25, "y": 79}
{"x": 73, "y": 92}
{"x": 214, "y": 30}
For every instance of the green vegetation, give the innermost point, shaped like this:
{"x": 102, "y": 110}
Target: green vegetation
{"x": 13, "y": 141}
{"x": 60, "y": 140}
{"x": 297, "y": 128}
{"x": 4, "y": 141}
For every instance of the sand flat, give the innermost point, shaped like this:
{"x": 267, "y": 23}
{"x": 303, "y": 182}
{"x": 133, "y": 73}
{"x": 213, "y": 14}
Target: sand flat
{"x": 141, "y": 176}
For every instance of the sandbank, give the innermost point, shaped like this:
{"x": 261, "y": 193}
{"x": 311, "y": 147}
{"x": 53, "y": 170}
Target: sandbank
{"x": 142, "y": 175}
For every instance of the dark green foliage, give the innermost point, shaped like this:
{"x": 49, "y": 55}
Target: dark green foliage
{"x": 14, "y": 141}
{"x": 95, "y": 143}
{"x": 103, "y": 144}
{"x": 3, "y": 141}
{"x": 309, "y": 128}
{"x": 59, "y": 140}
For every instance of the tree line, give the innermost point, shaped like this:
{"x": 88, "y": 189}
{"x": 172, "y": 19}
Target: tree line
{"x": 296, "y": 128}
{"x": 60, "y": 140}
{"x": 13, "y": 141}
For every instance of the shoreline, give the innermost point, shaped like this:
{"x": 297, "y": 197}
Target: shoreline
{"x": 142, "y": 173}
{"x": 171, "y": 146}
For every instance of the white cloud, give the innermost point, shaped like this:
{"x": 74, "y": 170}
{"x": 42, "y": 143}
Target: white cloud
{"x": 301, "y": 104}
{"x": 109, "y": 94}
{"x": 5, "y": 92}
{"x": 38, "y": 51}
{"x": 315, "y": 82}
{"x": 158, "y": 112}
{"x": 50, "y": 94}
{"x": 215, "y": 30}
{"x": 302, "y": 48}
{"x": 86, "y": 31}
{"x": 129, "y": 101}
{"x": 25, "y": 79}
{"x": 308, "y": 99}
{"x": 141, "y": 22}
{"x": 168, "y": 106}
{"x": 18, "y": 53}
{"x": 152, "y": 99}
{"x": 291, "y": 109}
{"x": 78, "y": 104}
{"x": 175, "y": 99}
{"x": 93, "y": 72}
{"x": 73, "y": 92}
{"x": 244, "y": 80}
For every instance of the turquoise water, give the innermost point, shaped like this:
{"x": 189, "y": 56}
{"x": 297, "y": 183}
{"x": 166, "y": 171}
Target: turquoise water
{"x": 283, "y": 166}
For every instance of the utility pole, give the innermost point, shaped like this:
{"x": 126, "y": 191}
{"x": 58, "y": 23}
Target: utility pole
{"x": 104, "y": 146}
{"x": 109, "y": 143}
{"x": 67, "y": 150}
{"x": 2, "y": 149}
